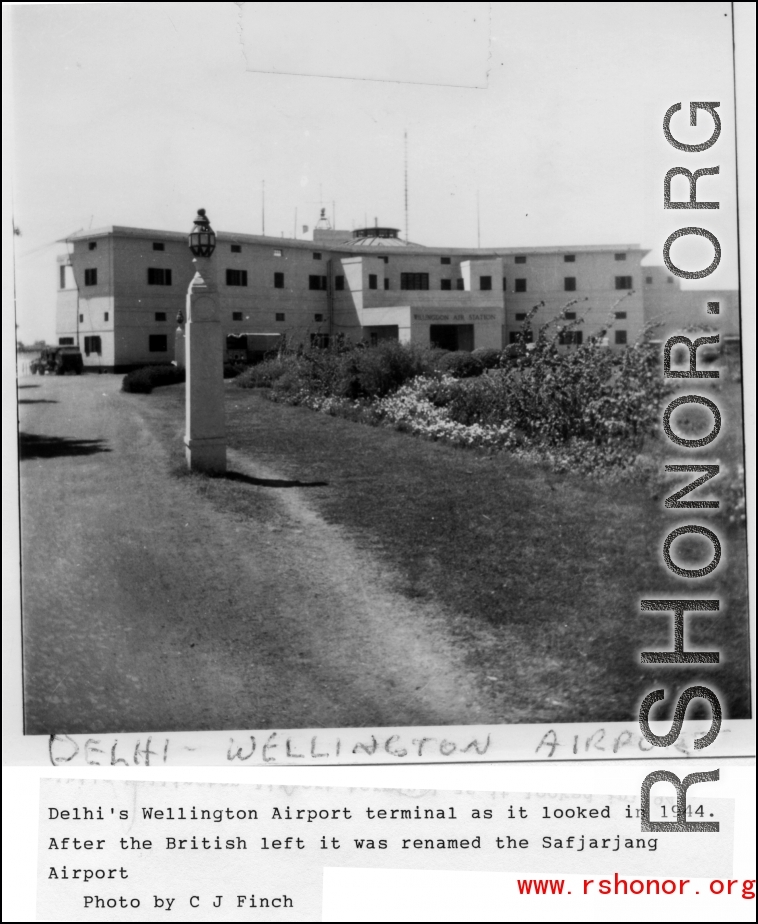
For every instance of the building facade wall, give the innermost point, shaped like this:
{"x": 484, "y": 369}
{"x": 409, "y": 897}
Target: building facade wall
{"x": 86, "y": 305}
{"x": 319, "y": 289}
{"x": 605, "y": 288}
{"x": 672, "y": 307}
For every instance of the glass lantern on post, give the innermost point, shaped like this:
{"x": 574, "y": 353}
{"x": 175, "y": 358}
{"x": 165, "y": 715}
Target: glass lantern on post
{"x": 202, "y": 238}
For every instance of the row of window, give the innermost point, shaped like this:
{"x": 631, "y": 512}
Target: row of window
{"x": 421, "y": 281}
{"x": 571, "y": 316}
{"x": 158, "y": 276}
{"x": 158, "y": 343}
{"x": 161, "y": 316}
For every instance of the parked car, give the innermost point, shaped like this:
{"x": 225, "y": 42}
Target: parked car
{"x": 58, "y": 360}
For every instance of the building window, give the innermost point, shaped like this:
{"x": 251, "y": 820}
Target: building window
{"x": 619, "y": 256}
{"x": 623, "y": 282}
{"x": 236, "y": 248}
{"x": 160, "y": 315}
{"x": 570, "y": 337}
{"x": 446, "y": 284}
{"x": 520, "y": 259}
{"x": 81, "y": 319}
{"x": 92, "y": 345}
{"x": 339, "y": 283}
{"x": 62, "y": 276}
{"x": 65, "y": 341}
{"x": 158, "y": 343}
{"x": 279, "y": 316}
{"x": 235, "y": 277}
{"x": 158, "y": 277}
{"x": 459, "y": 285}
{"x": 620, "y": 315}
{"x": 569, "y": 284}
{"x": 445, "y": 261}
{"x": 158, "y": 245}
{"x": 316, "y": 255}
{"x": 620, "y": 337}
{"x": 570, "y": 316}
{"x": 517, "y": 336}
{"x": 321, "y": 341}
{"x": 318, "y": 317}
{"x": 521, "y": 316}
{"x": 317, "y": 283}
{"x": 669, "y": 279}
{"x": 373, "y": 281}
{"x": 485, "y": 283}
{"x": 90, "y": 277}
{"x": 236, "y": 316}
{"x": 520, "y": 285}
{"x": 386, "y": 283}
{"x": 414, "y": 281}
{"x": 648, "y": 280}
{"x": 106, "y": 316}
{"x": 277, "y": 253}
{"x": 569, "y": 258}
{"x": 278, "y": 280}
{"x": 92, "y": 245}
{"x": 505, "y": 284}
{"x": 386, "y": 259}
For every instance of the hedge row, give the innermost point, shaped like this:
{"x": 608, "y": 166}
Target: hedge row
{"x": 144, "y": 380}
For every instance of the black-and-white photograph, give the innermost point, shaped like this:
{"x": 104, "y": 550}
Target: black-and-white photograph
{"x": 380, "y": 381}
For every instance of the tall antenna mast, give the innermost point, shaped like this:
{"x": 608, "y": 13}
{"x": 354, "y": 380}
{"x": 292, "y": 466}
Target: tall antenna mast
{"x": 263, "y": 206}
{"x": 478, "y": 234}
{"x": 405, "y": 143}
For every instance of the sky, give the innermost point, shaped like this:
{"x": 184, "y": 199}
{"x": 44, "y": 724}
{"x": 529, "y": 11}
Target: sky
{"x": 139, "y": 113}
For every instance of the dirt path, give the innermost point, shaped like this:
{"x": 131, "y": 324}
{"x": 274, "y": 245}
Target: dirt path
{"x": 145, "y": 607}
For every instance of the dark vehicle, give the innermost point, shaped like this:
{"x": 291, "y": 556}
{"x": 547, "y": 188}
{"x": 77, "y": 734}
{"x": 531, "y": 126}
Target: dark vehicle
{"x": 58, "y": 360}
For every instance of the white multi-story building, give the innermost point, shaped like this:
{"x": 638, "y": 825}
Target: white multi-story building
{"x": 121, "y": 289}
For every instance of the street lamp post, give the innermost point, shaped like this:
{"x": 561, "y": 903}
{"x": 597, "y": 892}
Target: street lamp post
{"x": 205, "y": 437}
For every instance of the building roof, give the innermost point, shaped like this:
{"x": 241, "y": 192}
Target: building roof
{"x": 350, "y": 245}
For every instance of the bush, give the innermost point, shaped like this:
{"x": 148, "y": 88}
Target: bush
{"x": 490, "y": 359}
{"x": 434, "y": 355}
{"x": 352, "y": 371}
{"x": 263, "y": 375}
{"x": 377, "y": 371}
{"x": 461, "y": 365}
{"x": 144, "y": 380}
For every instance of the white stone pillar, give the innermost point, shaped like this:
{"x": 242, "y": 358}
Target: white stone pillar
{"x": 205, "y": 437}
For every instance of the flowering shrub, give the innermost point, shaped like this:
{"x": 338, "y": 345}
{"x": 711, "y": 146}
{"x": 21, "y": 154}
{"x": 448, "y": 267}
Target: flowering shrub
{"x": 594, "y": 404}
{"x": 572, "y": 404}
{"x": 410, "y": 410}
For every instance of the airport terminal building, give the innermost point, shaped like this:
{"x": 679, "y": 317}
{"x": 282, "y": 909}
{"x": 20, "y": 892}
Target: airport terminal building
{"x": 120, "y": 290}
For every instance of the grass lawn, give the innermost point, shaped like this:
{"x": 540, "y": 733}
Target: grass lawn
{"x": 540, "y": 574}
